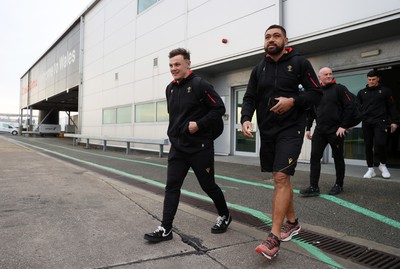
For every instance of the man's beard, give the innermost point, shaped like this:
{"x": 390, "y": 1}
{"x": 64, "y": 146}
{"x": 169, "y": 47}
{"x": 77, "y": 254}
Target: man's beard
{"x": 276, "y": 51}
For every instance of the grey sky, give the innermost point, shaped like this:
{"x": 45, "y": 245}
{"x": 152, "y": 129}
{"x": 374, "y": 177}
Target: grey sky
{"x": 28, "y": 29}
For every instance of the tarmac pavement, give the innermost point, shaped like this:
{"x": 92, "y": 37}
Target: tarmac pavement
{"x": 57, "y": 215}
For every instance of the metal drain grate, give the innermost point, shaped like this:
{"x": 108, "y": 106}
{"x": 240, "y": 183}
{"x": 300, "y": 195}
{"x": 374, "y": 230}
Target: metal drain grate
{"x": 370, "y": 258}
{"x": 355, "y": 253}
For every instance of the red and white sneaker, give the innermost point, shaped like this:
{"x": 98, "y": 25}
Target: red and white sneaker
{"x": 290, "y": 230}
{"x": 270, "y": 247}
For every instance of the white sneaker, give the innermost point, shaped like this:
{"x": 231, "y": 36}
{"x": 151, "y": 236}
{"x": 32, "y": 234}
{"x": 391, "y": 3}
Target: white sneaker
{"x": 384, "y": 170}
{"x": 370, "y": 173}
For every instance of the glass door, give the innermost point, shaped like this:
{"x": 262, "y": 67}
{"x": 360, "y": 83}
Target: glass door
{"x": 354, "y": 142}
{"x": 243, "y": 145}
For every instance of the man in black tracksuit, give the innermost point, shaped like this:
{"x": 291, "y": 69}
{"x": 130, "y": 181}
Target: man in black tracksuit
{"x": 333, "y": 117}
{"x": 273, "y": 91}
{"x": 379, "y": 114}
{"x": 193, "y": 106}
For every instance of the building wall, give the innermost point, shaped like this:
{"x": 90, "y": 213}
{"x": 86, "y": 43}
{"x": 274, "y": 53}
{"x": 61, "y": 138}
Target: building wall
{"x": 120, "y": 48}
{"x": 55, "y": 72}
{"x": 116, "y": 42}
{"x": 316, "y": 18}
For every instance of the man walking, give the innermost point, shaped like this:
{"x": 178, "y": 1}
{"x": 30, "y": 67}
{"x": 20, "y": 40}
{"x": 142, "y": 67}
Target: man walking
{"x": 273, "y": 91}
{"x": 333, "y": 117}
{"x": 379, "y": 115}
{"x": 193, "y": 106}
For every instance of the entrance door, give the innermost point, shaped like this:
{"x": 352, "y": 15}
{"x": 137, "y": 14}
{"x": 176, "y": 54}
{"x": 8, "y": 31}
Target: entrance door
{"x": 354, "y": 152}
{"x": 242, "y": 145}
{"x": 390, "y": 79}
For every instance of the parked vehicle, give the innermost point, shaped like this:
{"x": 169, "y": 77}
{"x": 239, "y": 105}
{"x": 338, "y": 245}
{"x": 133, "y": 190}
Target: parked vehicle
{"x": 8, "y": 128}
{"x": 48, "y": 129}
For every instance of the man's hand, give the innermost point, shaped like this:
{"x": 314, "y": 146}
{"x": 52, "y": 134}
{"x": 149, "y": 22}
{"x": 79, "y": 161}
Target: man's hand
{"x": 283, "y": 105}
{"x": 341, "y": 132}
{"x": 247, "y": 128}
{"x": 193, "y": 127}
{"x": 393, "y": 127}
{"x": 308, "y": 135}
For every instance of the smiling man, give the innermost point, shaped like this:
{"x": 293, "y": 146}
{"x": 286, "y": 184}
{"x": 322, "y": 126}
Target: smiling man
{"x": 273, "y": 91}
{"x": 193, "y": 107}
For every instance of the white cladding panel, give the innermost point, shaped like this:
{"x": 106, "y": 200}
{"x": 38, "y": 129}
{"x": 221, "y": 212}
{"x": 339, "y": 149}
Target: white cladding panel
{"x": 158, "y": 15}
{"x": 94, "y": 26}
{"x": 215, "y": 14}
{"x": 307, "y": 17}
{"x": 122, "y": 36}
{"x": 244, "y": 35}
{"x": 165, "y": 35}
{"x": 115, "y": 8}
{"x": 119, "y": 57}
{"x": 118, "y": 78}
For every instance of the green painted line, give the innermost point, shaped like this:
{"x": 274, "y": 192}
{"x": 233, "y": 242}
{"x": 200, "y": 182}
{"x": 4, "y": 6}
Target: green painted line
{"x": 261, "y": 216}
{"x": 362, "y": 210}
{"x": 341, "y": 202}
{"x": 331, "y": 198}
{"x": 317, "y": 253}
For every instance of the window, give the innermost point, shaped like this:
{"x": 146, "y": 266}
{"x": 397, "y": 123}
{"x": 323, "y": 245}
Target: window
{"x": 145, "y": 4}
{"x": 117, "y": 115}
{"x": 151, "y": 112}
{"x": 162, "y": 112}
{"x": 145, "y": 112}
{"x": 109, "y": 116}
{"x": 124, "y": 114}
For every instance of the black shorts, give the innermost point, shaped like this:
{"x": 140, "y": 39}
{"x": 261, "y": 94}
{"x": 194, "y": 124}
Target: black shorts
{"x": 280, "y": 153}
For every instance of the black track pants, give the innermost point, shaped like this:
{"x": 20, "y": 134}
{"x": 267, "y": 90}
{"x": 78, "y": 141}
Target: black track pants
{"x": 318, "y": 145}
{"x": 375, "y": 133}
{"x": 202, "y": 164}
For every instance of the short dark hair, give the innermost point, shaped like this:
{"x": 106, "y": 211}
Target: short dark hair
{"x": 274, "y": 26}
{"x": 373, "y": 73}
{"x": 179, "y": 51}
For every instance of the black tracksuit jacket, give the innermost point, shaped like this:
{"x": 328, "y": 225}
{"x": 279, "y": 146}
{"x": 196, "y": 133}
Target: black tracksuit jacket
{"x": 189, "y": 101}
{"x": 334, "y": 110}
{"x": 378, "y": 105}
{"x": 271, "y": 79}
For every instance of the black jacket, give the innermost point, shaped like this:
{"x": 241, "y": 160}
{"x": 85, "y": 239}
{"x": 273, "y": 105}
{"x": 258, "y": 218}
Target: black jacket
{"x": 333, "y": 111}
{"x": 378, "y": 105}
{"x": 271, "y": 79}
{"x": 190, "y": 101}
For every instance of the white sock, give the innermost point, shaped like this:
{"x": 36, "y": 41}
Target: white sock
{"x": 370, "y": 169}
{"x": 382, "y": 164}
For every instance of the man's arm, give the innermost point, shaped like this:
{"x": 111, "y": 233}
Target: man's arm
{"x": 212, "y": 100}
{"x": 312, "y": 92}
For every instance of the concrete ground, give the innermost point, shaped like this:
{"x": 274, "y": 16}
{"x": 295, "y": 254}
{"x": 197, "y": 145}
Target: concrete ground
{"x": 54, "y": 214}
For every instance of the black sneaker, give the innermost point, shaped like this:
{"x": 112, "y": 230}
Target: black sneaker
{"x": 309, "y": 192}
{"x": 159, "y": 235}
{"x": 221, "y": 224}
{"x": 336, "y": 189}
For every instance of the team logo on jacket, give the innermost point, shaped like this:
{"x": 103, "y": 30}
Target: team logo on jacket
{"x": 290, "y": 160}
{"x": 290, "y": 68}
{"x": 189, "y": 89}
